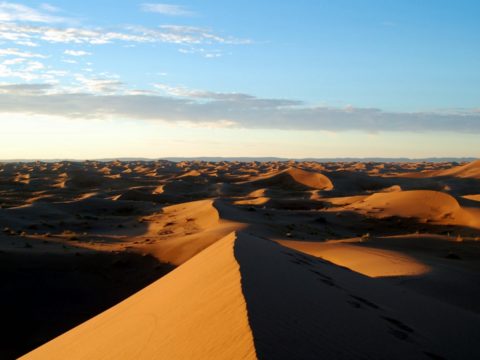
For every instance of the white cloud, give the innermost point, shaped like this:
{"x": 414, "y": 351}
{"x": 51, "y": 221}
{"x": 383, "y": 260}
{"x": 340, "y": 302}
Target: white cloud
{"x": 13, "y": 61}
{"x": 33, "y": 66}
{"x": 218, "y": 109}
{"x": 99, "y": 85}
{"x": 219, "y": 124}
{"x": 20, "y": 53}
{"x": 205, "y": 34}
{"x": 182, "y": 91}
{"x": 206, "y": 53}
{"x": 26, "y": 70}
{"x": 57, "y": 73}
{"x": 182, "y": 35}
{"x": 18, "y": 89}
{"x": 212, "y": 55}
{"x": 10, "y": 12}
{"x": 166, "y": 9}
{"x": 26, "y": 43}
{"x": 77, "y": 53}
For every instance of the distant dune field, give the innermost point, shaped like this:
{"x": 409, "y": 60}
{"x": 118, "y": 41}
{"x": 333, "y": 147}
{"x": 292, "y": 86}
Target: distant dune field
{"x": 240, "y": 260}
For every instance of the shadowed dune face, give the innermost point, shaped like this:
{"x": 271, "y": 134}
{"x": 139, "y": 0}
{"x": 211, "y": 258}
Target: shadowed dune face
{"x": 44, "y": 294}
{"x": 196, "y": 312}
{"x": 245, "y": 297}
{"x": 418, "y": 262}
{"x": 412, "y": 228}
{"x": 315, "y": 317}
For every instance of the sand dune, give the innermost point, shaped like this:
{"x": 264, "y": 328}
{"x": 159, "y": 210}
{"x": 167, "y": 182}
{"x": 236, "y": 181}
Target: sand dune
{"x": 181, "y": 231}
{"x": 470, "y": 170}
{"x": 409, "y": 234}
{"x": 425, "y": 205}
{"x": 475, "y": 197}
{"x": 335, "y": 313}
{"x": 293, "y": 178}
{"x": 367, "y": 261}
{"x": 195, "y": 312}
{"x": 262, "y": 200}
{"x": 432, "y": 205}
{"x": 245, "y": 297}
{"x": 438, "y": 266}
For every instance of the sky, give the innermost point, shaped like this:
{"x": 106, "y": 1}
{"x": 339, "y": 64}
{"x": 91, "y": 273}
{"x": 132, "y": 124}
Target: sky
{"x": 306, "y": 78}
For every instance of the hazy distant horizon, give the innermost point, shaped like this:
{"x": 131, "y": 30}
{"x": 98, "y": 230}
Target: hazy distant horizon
{"x": 253, "y": 158}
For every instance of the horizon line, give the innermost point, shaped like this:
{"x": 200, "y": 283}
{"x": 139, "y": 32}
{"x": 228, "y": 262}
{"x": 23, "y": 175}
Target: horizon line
{"x": 250, "y": 158}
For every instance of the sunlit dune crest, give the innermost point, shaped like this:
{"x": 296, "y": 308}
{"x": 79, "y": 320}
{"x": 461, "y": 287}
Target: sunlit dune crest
{"x": 224, "y": 302}
{"x": 424, "y": 205}
{"x": 293, "y": 178}
{"x": 470, "y": 170}
{"x": 196, "y": 312}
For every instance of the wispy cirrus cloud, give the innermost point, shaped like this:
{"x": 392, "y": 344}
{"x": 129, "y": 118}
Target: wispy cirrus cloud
{"x": 25, "y": 27}
{"x": 97, "y": 85}
{"x": 166, "y": 9}
{"x": 10, "y": 12}
{"x": 25, "y": 70}
{"x": 182, "y": 91}
{"x": 77, "y": 52}
{"x": 180, "y": 105}
{"x": 189, "y": 39}
{"x": 173, "y": 34}
{"x": 184, "y": 35}
{"x": 20, "y": 53}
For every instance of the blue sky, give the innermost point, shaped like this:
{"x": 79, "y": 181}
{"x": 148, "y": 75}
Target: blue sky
{"x": 237, "y": 78}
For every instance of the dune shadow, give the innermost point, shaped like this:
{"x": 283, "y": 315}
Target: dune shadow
{"x": 45, "y": 295}
{"x": 301, "y": 307}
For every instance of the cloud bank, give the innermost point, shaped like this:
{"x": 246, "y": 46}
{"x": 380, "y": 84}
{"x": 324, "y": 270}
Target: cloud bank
{"x": 224, "y": 109}
{"x": 79, "y": 92}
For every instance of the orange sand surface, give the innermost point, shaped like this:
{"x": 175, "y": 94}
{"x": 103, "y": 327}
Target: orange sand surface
{"x": 237, "y": 260}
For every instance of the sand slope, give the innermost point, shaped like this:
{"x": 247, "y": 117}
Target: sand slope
{"x": 470, "y": 170}
{"x": 367, "y": 261}
{"x": 300, "y": 307}
{"x": 424, "y": 205}
{"x": 416, "y": 203}
{"x": 474, "y": 197}
{"x": 181, "y": 231}
{"x": 195, "y": 312}
{"x": 415, "y": 227}
{"x": 293, "y": 178}
{"x": 246, "y": 296}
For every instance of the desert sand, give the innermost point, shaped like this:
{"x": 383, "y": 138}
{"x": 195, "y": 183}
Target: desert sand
{"x": 233, "y": 260}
